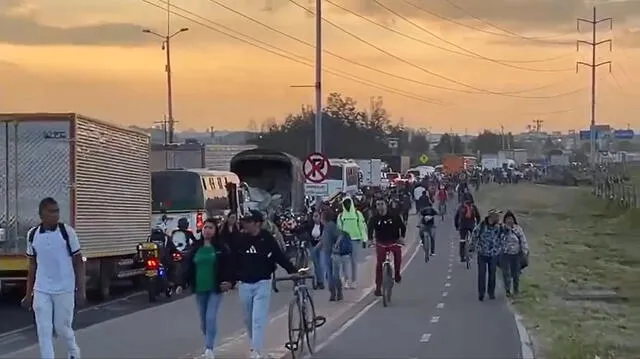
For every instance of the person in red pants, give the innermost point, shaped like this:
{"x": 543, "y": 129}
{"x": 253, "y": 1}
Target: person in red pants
{"x": 388, "y": 230}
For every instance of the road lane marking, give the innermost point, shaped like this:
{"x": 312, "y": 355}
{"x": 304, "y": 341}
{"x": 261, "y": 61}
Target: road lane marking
{"x": 449, "y": 270}
{"x": 449, "y": 277}
{"x": 425, "y": 338}
{"x": 444, "y": 294}
{"x": 440, "y": 305}
{"x": 435, "y": 319}
{"x": 447, "y": 284}
{"x": 364, "y": 311}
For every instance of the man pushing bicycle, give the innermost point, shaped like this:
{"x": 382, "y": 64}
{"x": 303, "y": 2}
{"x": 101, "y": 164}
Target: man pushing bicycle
{"x": 388, "y": 231}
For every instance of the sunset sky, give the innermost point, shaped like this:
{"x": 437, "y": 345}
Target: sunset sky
{"x": 90, "y": 56}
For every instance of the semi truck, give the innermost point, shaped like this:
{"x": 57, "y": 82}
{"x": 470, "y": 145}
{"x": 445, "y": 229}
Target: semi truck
{"x": 99, "y": 174}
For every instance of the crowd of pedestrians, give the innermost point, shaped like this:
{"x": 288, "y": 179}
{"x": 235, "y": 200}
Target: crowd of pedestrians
{"x": 243, "y": 254}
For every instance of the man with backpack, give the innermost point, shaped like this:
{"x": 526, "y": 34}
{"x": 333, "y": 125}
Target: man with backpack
{"x": 352, "y": 221}
{"x": 55, "y": 277}
{"x": 466, "y": 218}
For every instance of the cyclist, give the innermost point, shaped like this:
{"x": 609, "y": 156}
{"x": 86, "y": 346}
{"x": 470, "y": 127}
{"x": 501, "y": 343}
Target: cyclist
{"x": 388, "y": 231}
{"x": 443, "y": 197}
{"x": 428, "y": 224}
{"x": 466, "y": 218}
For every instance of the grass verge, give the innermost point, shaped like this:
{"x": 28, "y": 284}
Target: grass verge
{"x": 576, "y": 243}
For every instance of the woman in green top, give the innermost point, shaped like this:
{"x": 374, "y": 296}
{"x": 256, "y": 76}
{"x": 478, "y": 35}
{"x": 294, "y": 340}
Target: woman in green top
{"x": 209, "y": 274}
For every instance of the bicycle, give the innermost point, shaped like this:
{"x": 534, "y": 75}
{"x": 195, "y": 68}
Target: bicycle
{"x": 300, "y": 259}
{"x": 304, "y": 330}
{"x": 387, "y": 276}
{"x": 425, "y": 242}
{"x": 467, "y": 250}
{"x": 442, "y": 209}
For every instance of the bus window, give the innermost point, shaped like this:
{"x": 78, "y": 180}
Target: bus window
{"x": 176, "y": 191}
{"x": 335, "y": 173}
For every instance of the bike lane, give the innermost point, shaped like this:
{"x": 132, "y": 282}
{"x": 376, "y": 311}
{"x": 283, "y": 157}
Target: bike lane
{"x": 434, "y": 313}
{"x": 172, "y": 330}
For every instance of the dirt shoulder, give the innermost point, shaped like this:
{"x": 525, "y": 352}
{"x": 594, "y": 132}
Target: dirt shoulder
{"x": 577, "y": 243}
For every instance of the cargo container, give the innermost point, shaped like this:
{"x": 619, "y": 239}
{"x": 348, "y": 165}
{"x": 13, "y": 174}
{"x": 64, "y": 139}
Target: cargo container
{"x": 177, "y": 155}
{"x": 371, "y": 172}
{"x": 218, "y": 157}
{"x": 100, "y": 175}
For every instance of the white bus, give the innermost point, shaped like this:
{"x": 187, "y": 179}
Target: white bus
{"x": 194, "y": 194}
{"x": 343, "y": 177}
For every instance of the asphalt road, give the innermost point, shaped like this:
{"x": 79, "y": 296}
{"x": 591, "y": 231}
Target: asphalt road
{"x": 434, "y": 313}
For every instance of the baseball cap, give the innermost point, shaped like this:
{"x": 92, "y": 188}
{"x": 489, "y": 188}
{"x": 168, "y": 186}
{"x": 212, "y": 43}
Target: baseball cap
{"x": 253, "y": 216}
{"x": 494, "y": 211}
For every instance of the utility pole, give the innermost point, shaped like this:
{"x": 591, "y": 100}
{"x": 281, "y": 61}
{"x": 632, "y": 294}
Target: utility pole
{"x": 594, "y": 43}
{"x": 318, "y": 84}
{"x": 166, "y": 47}
{"x": 502, "y": 142}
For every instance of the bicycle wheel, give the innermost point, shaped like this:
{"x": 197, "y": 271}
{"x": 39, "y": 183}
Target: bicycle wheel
{"x": 426, "y": 244}
{"x": 296, "y": 327}
{"x": 387, "y": 283}
{"x": 310, "y": 332}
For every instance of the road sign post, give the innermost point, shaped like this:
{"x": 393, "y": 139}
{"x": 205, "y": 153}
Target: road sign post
{"x": 316, "y": 167}
{"x": 423, "y": 158}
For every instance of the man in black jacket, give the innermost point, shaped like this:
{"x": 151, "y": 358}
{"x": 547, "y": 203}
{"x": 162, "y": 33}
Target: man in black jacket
{"x": 255, "y": 254}
{"x": 388, "y": 231}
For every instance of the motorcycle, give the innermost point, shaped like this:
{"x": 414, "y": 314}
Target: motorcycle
{"x": 158, "y": 278}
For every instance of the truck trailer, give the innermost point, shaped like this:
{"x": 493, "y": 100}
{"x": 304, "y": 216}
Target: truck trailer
{"x": 99, "y": 174}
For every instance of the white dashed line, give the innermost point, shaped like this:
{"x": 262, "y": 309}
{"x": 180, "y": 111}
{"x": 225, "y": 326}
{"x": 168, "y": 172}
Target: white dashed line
{"x": 450, "y": 270}
{"x": 425, "y": 338}
{"x": 440, "y": 305}
{"x": 435, "y": 319}
{"x": 449, "y": 277}
{"x": 447, "y": 284}
{"x": 444, "y": 294}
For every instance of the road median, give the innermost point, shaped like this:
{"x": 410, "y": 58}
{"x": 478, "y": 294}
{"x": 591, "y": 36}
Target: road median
{"x": 581, "y": 294}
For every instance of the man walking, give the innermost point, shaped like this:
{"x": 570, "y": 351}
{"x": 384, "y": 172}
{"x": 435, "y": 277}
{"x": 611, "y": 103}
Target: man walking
{"x": 56, "y": 275}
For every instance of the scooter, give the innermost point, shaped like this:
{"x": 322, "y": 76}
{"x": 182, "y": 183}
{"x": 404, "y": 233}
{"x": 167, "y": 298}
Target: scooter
{"x": 157, "y": 279}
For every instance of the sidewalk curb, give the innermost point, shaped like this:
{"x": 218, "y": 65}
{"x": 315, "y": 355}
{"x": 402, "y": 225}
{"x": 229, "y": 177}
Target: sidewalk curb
{"x": 527, "y": 348}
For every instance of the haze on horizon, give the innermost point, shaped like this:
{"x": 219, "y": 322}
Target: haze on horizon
{"x": 92, "y": 58}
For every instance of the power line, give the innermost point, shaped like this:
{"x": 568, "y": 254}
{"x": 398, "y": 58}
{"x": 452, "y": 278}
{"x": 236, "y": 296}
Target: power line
{"x": 286, "y": 54}
{"x": 462, "y": 24}
{"x": 594, "y": 43}
{"x": 365, "y": 66}
{"x": 464, "y": 49}
{"x": 503, "y": 29}
{"x": 478, "y": 90}
{"x": 388, "y": 28}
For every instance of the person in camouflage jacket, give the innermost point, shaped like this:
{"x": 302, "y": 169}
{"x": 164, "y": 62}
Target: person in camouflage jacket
{"x": 487, "y": 241}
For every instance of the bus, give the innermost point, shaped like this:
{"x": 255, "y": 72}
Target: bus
{"x": 194, "y": 194}
{"x": 343, "y": 177}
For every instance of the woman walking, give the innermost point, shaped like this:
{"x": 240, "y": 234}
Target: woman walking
{"x": 516, "y": 250}
{"x": 487, "y": 242}
{"x": 230, "y": 229}
{"x": 314, "y": 229}
{"x": 209, "y": 274}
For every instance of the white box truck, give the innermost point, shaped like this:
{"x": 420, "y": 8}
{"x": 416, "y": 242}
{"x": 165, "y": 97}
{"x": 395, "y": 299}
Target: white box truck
{"x": 100, "y": 175}
{"x": 371, "y": 172}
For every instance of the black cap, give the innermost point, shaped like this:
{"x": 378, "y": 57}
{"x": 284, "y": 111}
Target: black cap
{"x": 253, "y": 216}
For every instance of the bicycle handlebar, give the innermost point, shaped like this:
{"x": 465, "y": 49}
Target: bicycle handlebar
{"x": 294, "y": 277}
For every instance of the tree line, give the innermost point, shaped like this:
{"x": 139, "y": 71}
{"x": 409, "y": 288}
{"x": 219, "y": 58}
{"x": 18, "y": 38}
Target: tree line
{"x": 351, "y": 132}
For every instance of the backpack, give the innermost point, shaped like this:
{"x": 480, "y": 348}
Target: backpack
{"x": 343, "y": 246}
{"x": 468, "y": 211}
{"x": 63, "y": 232}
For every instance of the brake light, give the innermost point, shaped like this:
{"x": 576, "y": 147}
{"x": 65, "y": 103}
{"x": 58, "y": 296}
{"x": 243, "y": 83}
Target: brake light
{"x": 152, "y": 264}
{"x": 199, "y": 221}
{"x": 177, "y": 257}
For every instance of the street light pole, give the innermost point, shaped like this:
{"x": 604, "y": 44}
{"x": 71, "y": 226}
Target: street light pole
{"x": 318, "y": 84}
{"x": 166, "y": 46}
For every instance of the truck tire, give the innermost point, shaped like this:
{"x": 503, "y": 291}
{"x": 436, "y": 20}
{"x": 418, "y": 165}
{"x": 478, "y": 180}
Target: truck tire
{"x": 104, "y": 283}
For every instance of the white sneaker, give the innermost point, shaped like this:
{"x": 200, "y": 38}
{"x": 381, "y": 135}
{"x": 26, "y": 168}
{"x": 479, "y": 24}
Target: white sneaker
{"x": 347, "y": 284}
{"x": 208, "y": 354}
{"x": 354, "y": 285}
{"x": 256, "y": 355}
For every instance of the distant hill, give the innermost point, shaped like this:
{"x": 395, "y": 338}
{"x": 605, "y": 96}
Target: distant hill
{"x": 217, "y": 137}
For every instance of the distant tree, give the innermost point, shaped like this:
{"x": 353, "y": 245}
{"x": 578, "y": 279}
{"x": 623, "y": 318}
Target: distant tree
{"x": 449, "y": 144}
{"x": 489, "y": 142}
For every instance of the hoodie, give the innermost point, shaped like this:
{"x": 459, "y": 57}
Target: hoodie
{"x": 352, "y": 221}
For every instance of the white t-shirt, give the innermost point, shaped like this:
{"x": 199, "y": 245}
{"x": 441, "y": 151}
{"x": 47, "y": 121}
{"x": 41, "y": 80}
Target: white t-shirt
{"x": 54, "y": 274}
{"x": 417, "y": 192}
{"x": 316, "y": 231}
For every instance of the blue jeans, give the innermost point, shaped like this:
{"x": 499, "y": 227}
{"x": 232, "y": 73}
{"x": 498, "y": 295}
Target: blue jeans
{"x": 319, "y": 259}
{"x": 355, "y": 244}
{"x": 432, "y": 236}
{"x": 208, "y": 305}
{"x": 255, "y": 298}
